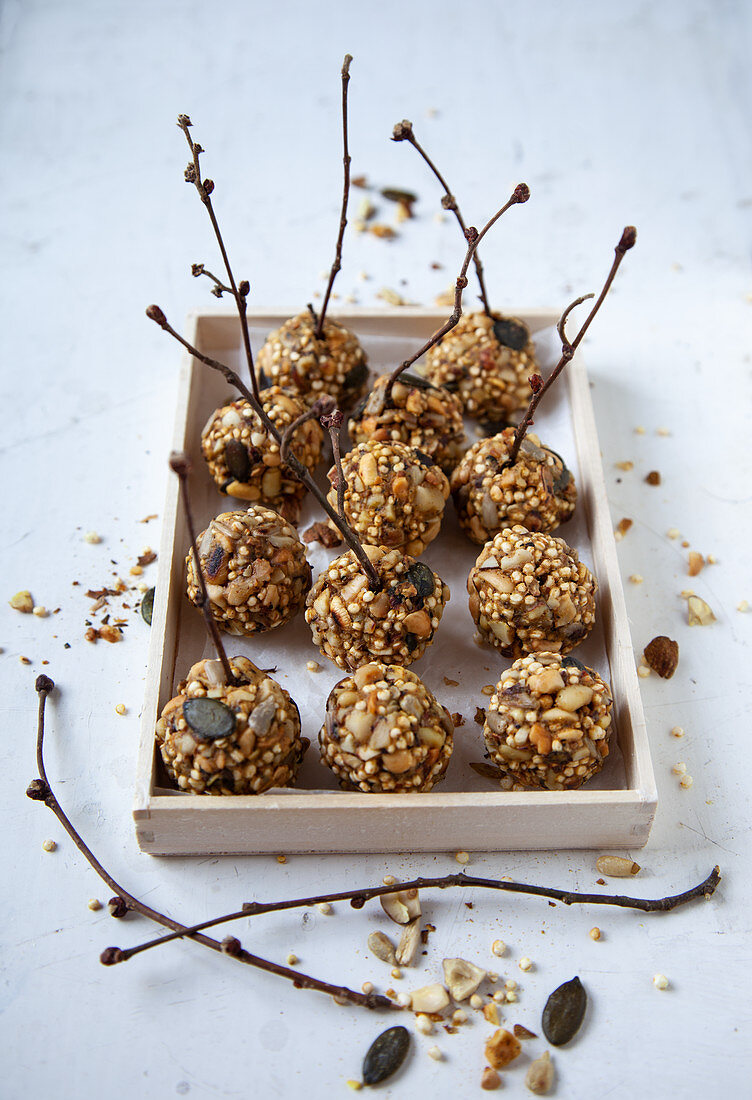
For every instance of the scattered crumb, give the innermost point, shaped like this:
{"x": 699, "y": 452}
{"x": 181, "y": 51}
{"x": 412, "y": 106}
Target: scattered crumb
{"x": 622, "y": 527}
{"x": 677, "y": 731}
{"x": 743, "y": 605}
{"x": 423, "y": 1024}
{"x": 673, "y": 533}
{"x": 391, "y": 297}
{"x": 636, "y": 578}
{"x": 136, "y": 571}
{"x": 699, "y": 613}
{"x": 446, "y": 298}
{"x": 595, "y": 933}
{"x": 476, "y": 1001}
{"x": 121, "y": 709}
{"x": 480, "y": 716}
{"x": 711, "y": 559}
{"x": 488, "y": 689}
{"x": 22, "y": 602}
{"x": 281, "y": 859}
{"x": 25, "y": 660}
{"x": 686, "y": 782}
{"x": 511, "y": 997}
{"x": 462, "y": 857}
{"x": 292, "y": 959}
{"x": 680, "y": 768}
{"x": 94, "y": 904}
{"x": 510, "y": 985}
{"x": 435, "y": 1053}
{"x": 643, "y": 671}
{"x": 49, "y": 845}
{"x": 389, "y": 880}
{"x": 525, "y": 963}
{"x": 624, "y": 465}
{"x": 660, "y": 981}
{"x": 491, "y": 1013}
{"x": 384, "y": 231}
{"x": 149, "y": 518}
{"x": 639, "y": 430}
{"x": 498, "y": 947}
{"x": 359, "y": 181}
{"x": 653, "y": 478}
{"x": 356, "y": 1086}
{"x": 696, "y": 562}
{"x": 313, "y": 666}
{"x": 662, "y": 431}
{"x": 457, "y": 720}
{"x": 451, "y": 683}
{"x": 323, "y": 533}
{"x": 147, "y": 557}
{"x": 40, "y": 612}
{"x": 685, "y": 543}
{"x": 324, "y": 907}
{"x": 92, "y": 538}
{"x": 490, "y": 1079}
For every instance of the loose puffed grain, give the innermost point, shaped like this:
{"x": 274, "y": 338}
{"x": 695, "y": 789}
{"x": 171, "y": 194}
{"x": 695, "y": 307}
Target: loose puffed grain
{"x": 295, "y": 359}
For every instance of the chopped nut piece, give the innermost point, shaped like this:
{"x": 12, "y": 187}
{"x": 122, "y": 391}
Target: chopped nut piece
{"x": 462, "y": 977}
{"x": 435, "y": 1053}
{"x": 491, "y": 1013}
{"x": 522, "y": 1032}
{"x": 40, "y": 612}
{"x": 49, "y": 845}
{"x": 502, "y": 1048}
{"x": 622, "y": 527}
{"x": 313, "y": 666}
{"x": 636, "y": 578}
{"x": 429, "y": 998}
{"x": 423, "y": 1024}
{"x": 662, "y": 655}
{"x": 540, "y": 1076}
{"x": 94, "y": 904}
{"x": 673, "y": 533}
{"x": 22, "y": 602}
{"x": 616, "y": 866}
{"x": 488, "y": 689}
{"x": 699, "y": 612}
{"x": 653, "y": 478}
{"x": 324, "y": 907}
{"x": 408, "y": 943}
{"x": 402, "y": 906}
{"x": 462, "y": 857}
{"x": 660, "y": 981}
{"x": 696, "y": 562}
{"x": 743, "y": 605}
{"x": 624, "y": 465}
{"x": 384, "y": 231}
{"x": 490, "y": 1079}
{"x": 92, "y": 538}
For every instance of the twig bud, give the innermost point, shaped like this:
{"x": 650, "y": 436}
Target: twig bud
{"x": 190, "y": 174}
{"x": 184, "y": 122}
{"x": 154, "y": 313}
{"x": 44, "y": 685}
{"x": 471, "y": 234}
{"x": 110, "y": 956}
{"x": 216, "y": 291}
{"x": 117, "y": 908}
{"x": 231, "y": 945}
{"x": 37, "y": 790}
{"x": 403, "y": 131}
{"x": 208, "y": 186}
{"x": 536, "y": 383}
{"x": 449, "y": 202}
{"x": 628, "y": 239}
{"x": 180, "y": 463}
{"x": 196, "y": 270}
{"x": 521, "y": 193}
{"x": 244, "y": 288}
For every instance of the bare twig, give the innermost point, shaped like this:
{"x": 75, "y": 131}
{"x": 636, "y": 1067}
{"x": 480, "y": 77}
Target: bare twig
{"x": 403, "y": 131}
{"x": 40, "y": 791}
{"x": 358, "y": 898}
{"x": 520, "y": 194}
{"x": 346, "y": 193}
{"x": 333, "y": 423}
{"x": 180, "y": 464}
{"x": 627, "y": 241}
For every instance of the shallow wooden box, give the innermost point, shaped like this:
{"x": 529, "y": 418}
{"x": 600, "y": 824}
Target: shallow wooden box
{"x": 465, "y": 811}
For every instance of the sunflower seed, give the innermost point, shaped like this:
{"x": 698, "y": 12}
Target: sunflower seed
{"x": 208, "y": 718}
{"x": 385, "y": 1055}
{"x": 564, "y": 1012}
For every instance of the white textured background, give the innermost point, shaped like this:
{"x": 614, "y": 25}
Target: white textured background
{"x": 629, "y": 112}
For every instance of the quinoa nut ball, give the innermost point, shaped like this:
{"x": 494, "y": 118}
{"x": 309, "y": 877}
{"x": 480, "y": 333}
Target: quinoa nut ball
{"x": 530, "y": 593}
{"x": 538, "y": 491}
{"x": 295, "y": 359}
{"x": 384, "y": 731}
{"x": 352, "y": 624}
{"x": 257, "y": 575}
{"x": 548, "y": 722}
{"x": 394, "y": 495}
{"x": 218, "y": 738}
{"x": 486, "y": 361}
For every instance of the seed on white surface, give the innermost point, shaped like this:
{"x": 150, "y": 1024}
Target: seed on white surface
{"x": 510, "y": 983}
{"x": 396, "y": 973}
{"x": 40, "y": 612}
{"x": 498, "y": 947}
{"x": 423, "y": 1024}
{"x": 281, "y": 859}
{"x": 660, "y": 981}
{"x": 292, "y": 959}
{"x": 662, "y": 431}
{"x": 92, "y": 538}
{"x": 462, "y": 857}
{"x": 643, "y": 671}
{"x": 459, "y": 1016}
{"x": 435, "y": 1053}
{"x": 356, "y": 1086}
{"x": 686, "y": 782}
{"x": 476, "y": 1001}
{"x": 616, "y": 866}
{"x": 121, "y": 709}
{"x": 499, "y": 996}
{"x": 94, "y": 904}
{"x": 492, "y": 977}
{"x": 324, "y": 907}
{"x": 673, "y": 533}
{"x": 49, "y": 845}
{"x": 525, "y": 963}
{"x": 389, "y": 880}
{"x": 22, "y": 602}
{"x": 313, "y": 666}
{"x": 677, "y": 731}
{"x": 680, "y": 768}
{"x": 639, "y": 430}
{"x": 636, "y": 578}
{"x": 743, "y": 605}
{"x": 404, "y": 1000}
{"x": 595, "y": 933}
{"x": 490, "y": 1079}
{"x": 511, "y": 997}
{"x": 367, "y": 987}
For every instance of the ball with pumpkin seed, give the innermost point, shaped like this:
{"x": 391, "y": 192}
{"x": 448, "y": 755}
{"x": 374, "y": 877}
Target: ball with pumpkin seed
{"x": 257, "y": 575}
{"x": 222, "y": 738}
{"x": 529, "y": 593}
{"x": 394, "y": 495}
{"x": 548, "y": 722}
{"x": 354, "y": 623}
{"x": 486, "y": 360}
{"x": 537, "y": 491}
{"x": 243, "y": 456}
{"x": 302, "y": 363}
{"x": 420, "y": 414}
{"x": 384, "y": 731}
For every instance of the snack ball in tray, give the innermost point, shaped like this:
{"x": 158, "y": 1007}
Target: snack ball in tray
{"x": 548, "y": 723}
{"x": 220, "y": 738}
{"x": 384, "y": 731}
{"x": 257, "y": 575}
{"x": 530, "y": 593}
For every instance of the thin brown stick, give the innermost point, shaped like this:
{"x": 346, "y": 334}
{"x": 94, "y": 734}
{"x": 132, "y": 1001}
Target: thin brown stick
{"x": 40, "y": 791}
{"x": 345, "y": 196}
{"x": 333, "y": 423}
{"x": 239, "y": 293}
{"x": 358, "y": 898}
{"x": 520, "y": 194}
{"x": 627, "y": 241}
{"x": 180, "y": 464}
{"x": 403, "y": 131}
{"x": 156, "y": 314}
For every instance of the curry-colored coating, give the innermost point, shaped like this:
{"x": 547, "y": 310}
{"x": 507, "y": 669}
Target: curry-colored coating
{"x": 257, "y": 575}
{"x": 385, "y": 731}
{"x": 424, "y": 416}
{"x": 263, "y": 750}
{"x": 352, "y": 624}
{"x": 547, "y": 725}
{"x": 530, "y": 593}
{"x": 295, "y": 359}
{"x": 537, "y": 492}
{"x": 394, "y": 496}
{"x": 489, "y": 377}
{"x": 243, "y": 456}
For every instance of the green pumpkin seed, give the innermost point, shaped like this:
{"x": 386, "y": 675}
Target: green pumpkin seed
{"x": 511, "y": 334}
{"x": 147, "y": 606}
{"x": 564, "y": 1012}
{"x": 208, "y": 718}
{"x": 422, "y": 577}
{"x": 237, "y": 460}
{"x": 385, "y": 1055}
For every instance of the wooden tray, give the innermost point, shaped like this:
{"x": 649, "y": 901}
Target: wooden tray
{"x": 465, "y": 811}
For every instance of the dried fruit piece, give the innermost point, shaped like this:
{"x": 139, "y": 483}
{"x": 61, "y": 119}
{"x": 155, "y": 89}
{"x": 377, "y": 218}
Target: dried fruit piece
{"x": 208, "y": 718}
{"x": 699, "y": 613}
{"x": 147, "y": 606}
{"x": 385, "y": 1055}
{"x": 662, "y": 655}
{"x": 382, "y": 947}
{"x": 323, "y": 533}
{"x": 564, "y": 1012}
{"x": 616, "y": 866}
{"x": 540, "y": 1076}
{"x": 462, "y": 977}
{"x": 653, "y": 478}
{"x": 502, "y": 1048}
{"x": 622, "y": 527}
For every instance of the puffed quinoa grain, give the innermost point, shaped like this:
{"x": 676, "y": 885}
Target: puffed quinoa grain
{"x": 49, "y": 845}
{"x": 292, "y": 357}
{"x": 121, "y": 709}
{"x": 94, "y": 904}
{"x": 498, "y": 947}
{"x": 686, "y": 782}
{"x": 660, "y": 981}
{"x": 462, "y": 857}
{"x": 525, "y": 963}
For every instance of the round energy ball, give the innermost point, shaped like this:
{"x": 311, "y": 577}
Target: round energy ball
{"x": 256, "y": 571}
{"x": 352, "y": 625}
{"x": 530, "y": 593}
{"x": 295, "y": 359}
{"x": 486, "y": 361}
{"x": 243, "y": 457}
{"x": 419, "y": 414}
{"x": 537, "y": 492}
{"x": 384, "y": 731}
{"x": 548, "y": 722}
{"x": 394, "y": 495}
{"x": 220, "y": 738}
